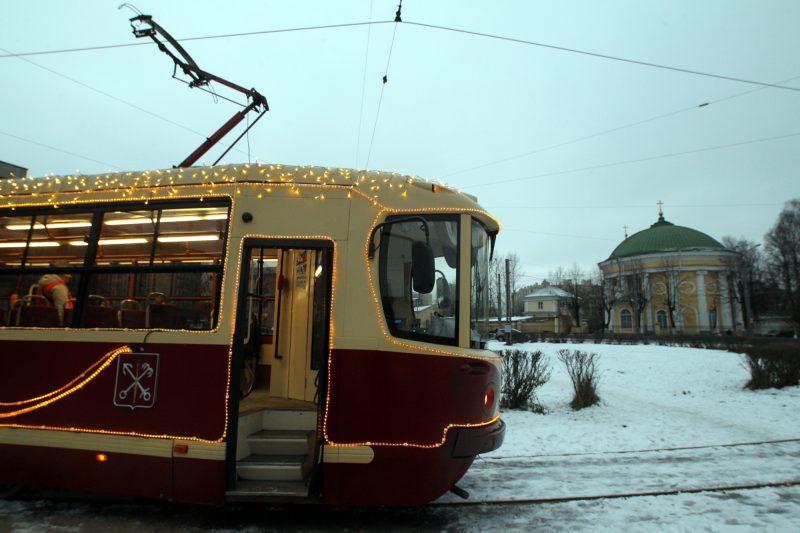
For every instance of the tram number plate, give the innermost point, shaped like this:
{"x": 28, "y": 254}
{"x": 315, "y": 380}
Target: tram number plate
{"x": 137, "y": 380}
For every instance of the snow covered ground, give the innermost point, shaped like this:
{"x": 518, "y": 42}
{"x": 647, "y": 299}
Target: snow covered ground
{"x": 654, "y": 399}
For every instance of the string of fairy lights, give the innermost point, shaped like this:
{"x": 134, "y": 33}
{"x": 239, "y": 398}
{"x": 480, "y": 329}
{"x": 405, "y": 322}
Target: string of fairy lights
{"x": 266, "y": 178}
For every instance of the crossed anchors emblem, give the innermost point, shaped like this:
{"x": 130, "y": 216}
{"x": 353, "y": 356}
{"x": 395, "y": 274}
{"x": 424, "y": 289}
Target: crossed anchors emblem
{"x": 137, "y": 378}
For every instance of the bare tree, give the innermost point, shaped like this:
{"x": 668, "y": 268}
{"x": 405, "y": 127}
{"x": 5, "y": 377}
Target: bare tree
{"x": 668, "y": 291}
{"x": 782, "y": 248}
{"x": 745, "y": 270}
{"x": 593, "y": 304}
{"x": 496, "y": 273}
{"x": 515, "y": 278}
{"x": 575, "y": 277}
{"x": 635, "y": 289}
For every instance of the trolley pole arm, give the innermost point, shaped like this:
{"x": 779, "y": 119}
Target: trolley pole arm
{"x": 145, "y": 26}
{"x": 216, "y": 136}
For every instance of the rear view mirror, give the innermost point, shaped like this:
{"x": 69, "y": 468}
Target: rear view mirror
{"x": 423, "y": 271}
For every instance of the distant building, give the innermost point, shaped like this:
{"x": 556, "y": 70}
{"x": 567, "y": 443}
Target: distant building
{"x": 671, "y": 279}
{"x": 7, "y": 170}
{"x": 548, "y": 308}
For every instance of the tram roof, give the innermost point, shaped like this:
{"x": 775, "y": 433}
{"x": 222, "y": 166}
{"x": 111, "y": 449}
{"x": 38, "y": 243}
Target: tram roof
{"x": 390, "y": 190}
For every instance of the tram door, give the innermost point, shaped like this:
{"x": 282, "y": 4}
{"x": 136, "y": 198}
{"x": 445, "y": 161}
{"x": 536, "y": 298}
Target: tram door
{"x": 296, "y": 303}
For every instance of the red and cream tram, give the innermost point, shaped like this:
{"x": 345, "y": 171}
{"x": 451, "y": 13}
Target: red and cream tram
{"x": 252, "y": 332}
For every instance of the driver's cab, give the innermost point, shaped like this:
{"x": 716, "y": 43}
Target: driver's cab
{"x": 430, "y": 266}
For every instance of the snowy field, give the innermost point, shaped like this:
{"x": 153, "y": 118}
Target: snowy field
{"x": 666, "y": 422}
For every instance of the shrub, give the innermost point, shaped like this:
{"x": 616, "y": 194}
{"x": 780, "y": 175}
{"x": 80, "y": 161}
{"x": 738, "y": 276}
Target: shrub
{"x": 773, "y": 366}
{"x": 582, "y": 370}
{"x": 523, "y": 374}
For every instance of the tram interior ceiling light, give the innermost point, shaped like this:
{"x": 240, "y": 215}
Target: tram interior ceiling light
{"x": 187, "y": 238}
{"x": 54, "y": 225}
{"x": 108, "y": 242}
{"x": 32, "y": 244}
{"x": 162, "y": 220}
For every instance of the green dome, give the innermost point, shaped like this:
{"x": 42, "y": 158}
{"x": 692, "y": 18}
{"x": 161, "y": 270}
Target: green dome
{"x": 664, "y": 236}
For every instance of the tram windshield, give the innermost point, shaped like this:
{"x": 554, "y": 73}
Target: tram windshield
{"x": 431, "y": 317}
{"x": 479, "y": 287}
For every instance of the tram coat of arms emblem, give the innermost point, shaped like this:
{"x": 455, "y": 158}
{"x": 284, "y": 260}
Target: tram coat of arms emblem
{"x": 137, "y": 380}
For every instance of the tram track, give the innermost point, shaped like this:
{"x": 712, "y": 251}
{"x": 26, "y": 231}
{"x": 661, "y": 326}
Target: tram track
{"x": 614, "y": 496}
{"x": 618, "y": 474}
{"x": 644, "y": 450}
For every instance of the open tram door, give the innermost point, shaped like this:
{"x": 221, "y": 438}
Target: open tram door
{"x": 278, "y": 377}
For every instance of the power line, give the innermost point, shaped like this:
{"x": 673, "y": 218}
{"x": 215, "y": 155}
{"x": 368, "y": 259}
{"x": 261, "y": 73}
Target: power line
{"x": 630, "y": 161}
{"x": 117, "y": 99}
{"x": 612, "y": 130}
{"x": 109, "y": 165}
{"x": 690, "y": 206}
{"x": 107, "y": 95}
{"x": 559, "y": 234}
{"x": 201, "y": 38}
{"x": 605, "y": 56}
{"x": 363, "y": 87}
{"x": 424, "y": 25}
{"x": 383, "y": 86}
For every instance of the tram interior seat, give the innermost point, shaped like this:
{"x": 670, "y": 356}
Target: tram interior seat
{"x": 96, "y": 316}
{"x": 34, "y": 310}
{"x": 130, "y": 315}
{"x": 162, "y": 316}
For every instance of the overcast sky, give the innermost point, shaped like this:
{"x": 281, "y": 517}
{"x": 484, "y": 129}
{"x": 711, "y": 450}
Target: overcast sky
{"x": 565, "y": 148}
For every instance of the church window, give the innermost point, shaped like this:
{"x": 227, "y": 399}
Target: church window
{"x": 626, "y": 319}
{"x": 661, "y": 318}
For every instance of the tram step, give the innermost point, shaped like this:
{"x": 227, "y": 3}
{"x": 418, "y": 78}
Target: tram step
{"x": 250, "y": 489}
{"x": 280, "y": 442}
{"x": 271, "y": 467}
{"x": 289, "y": 419}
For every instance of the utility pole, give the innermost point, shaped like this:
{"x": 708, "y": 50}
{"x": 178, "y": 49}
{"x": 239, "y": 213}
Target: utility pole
{"x": 508, "y": 302}
{"x": 499, "y": 301}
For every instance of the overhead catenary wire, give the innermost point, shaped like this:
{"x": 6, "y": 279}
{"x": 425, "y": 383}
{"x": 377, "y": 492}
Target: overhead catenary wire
{"x": 611, "y": 130}
{"x": 363, "y": 87}
{"x": 397, "y": 20}
{"x": 107, "y": 95}
{"x": 559, "y": 234}
{"x": 605, "y": 56}
{"x": 631, "y": 161}
{"x": 423, "y": 25}
{"x": 37, "y": 143}
{"x": 642, "y": 206}
{"x": 200, "y": 38}
{"x": 121, "y": 100}
{"x": 369, "y": 23}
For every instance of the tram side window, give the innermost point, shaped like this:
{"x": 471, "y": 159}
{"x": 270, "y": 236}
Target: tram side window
{"x": 40, "y": 267}
{"x": 429, "y": 317}
{"x": 153, "y": 267}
